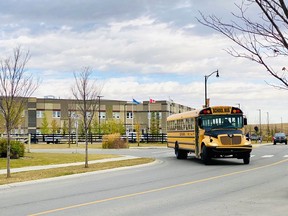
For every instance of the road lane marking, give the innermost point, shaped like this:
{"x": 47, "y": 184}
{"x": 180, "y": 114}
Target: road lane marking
{"x": 157, "y": 189}
{"x": 267, "y": 156}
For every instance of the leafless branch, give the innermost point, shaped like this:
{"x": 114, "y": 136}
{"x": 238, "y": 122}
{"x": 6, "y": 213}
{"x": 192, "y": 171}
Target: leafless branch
{"x": 86, "y": 92}
{"x": 15, "y": 88}
{"x": 261, "y": 39}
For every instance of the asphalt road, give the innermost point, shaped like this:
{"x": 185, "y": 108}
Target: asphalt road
{"x": 167, "y": 187}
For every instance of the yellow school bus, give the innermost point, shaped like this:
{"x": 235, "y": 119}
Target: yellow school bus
{"x": 212, "y": 132}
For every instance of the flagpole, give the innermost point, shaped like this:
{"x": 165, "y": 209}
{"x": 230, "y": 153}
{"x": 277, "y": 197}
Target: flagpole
{"x": 170, "y": 102}
{"x": 133, "y": 102}
{"x": 169, "y": 108}
{"x": 149, "y": 117}
{"x": 132, "y": 117}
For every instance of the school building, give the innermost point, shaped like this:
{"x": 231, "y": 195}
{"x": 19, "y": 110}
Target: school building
{"x": 63, "y": 111}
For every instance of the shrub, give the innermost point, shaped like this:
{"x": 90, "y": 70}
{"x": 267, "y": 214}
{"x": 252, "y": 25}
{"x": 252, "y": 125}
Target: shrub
{"x": 113, "y": 141}
{"x": 17, "y": 149}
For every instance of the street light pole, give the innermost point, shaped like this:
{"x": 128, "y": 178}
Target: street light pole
{"x": 260, "y": 131}
{"x": 99, "y": 116}
{"x": 125, "y": 117}
{"x": 268, "y": 128}
{"x": 206, "y": 79}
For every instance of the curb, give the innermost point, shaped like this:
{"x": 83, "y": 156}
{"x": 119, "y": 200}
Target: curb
{"x": 32, "y": 168}
{"x": 18, "y": 184}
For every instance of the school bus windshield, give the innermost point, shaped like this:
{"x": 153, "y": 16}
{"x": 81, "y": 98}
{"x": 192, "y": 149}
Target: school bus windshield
{"x": 222, "y": 122}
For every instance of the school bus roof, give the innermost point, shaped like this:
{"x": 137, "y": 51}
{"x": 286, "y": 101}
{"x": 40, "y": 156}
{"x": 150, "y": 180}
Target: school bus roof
{"x": 221, "y": 110}
{"x": 183, "y": 115}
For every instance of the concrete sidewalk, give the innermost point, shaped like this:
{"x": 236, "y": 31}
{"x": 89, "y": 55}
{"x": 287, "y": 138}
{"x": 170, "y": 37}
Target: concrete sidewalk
{"x": 30, "y": 168}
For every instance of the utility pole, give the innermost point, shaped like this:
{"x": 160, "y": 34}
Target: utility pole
{"x": 260, "y": 129}
{"x": 206, "y": 79}
{"x": 99, "y": 115}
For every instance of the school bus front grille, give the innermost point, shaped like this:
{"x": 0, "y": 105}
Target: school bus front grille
{"x": 234, "y": 140}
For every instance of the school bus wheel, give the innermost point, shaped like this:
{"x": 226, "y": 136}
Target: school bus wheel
{"x": 246, "y": 159}
{"x": 205, "y": 156}
{"x": 180, "y": 154}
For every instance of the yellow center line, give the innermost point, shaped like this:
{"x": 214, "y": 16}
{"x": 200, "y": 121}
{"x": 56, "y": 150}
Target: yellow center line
{"x": 157, "y": 189}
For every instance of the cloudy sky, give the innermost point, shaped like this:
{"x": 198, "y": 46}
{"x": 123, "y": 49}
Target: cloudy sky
{"x": 138, "y": 49}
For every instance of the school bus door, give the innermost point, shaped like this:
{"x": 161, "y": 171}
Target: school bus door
{"x": 197, "y": 147}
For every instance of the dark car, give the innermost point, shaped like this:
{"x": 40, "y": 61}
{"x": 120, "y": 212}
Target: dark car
{"x": 254, "y": 137}
{"x": 279, "y": 138}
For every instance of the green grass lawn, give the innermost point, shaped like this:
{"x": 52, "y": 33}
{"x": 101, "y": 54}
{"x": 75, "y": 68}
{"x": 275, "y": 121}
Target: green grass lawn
{"x": 55, "y": 172}
{"x": 38, "y": 159}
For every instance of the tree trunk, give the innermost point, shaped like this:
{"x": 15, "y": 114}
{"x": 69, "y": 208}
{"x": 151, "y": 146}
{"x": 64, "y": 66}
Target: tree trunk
{"x": 8, "y": 154}
{"x": 86, "y": 149}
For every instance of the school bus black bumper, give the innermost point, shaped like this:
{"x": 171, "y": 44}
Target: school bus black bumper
{"x": 238, "y": 152}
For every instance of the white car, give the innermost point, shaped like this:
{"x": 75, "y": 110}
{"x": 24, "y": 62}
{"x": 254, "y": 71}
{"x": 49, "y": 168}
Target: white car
{"x": 52, "y": 139}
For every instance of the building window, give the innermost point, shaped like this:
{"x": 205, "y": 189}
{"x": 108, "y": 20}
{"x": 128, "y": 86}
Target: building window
{"x": 56, "y": 114}
{"x": 155, "y": 115}
{"x": 39, "y": 114}
{"x": 129, "y": 115}
{"x": 72, "y": 114}
{"x": 102, "y": 115}
{"x": 88, "y": 115}
{"x": 116, "y": 115}
{"x": 159, "y": 115}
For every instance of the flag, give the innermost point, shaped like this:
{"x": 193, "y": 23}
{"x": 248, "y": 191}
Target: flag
{"x": 152, "y": 101}
{"x": 135, "y": 101}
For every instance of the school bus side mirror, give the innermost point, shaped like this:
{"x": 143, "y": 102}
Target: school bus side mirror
{"x": 199, "y": 122}
{"x": 245, "y": 121}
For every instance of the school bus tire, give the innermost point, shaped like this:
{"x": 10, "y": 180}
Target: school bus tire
{"x": 205, "y": 157}
{"x": 180, "y": 154}
{"x": 246, "y": 159}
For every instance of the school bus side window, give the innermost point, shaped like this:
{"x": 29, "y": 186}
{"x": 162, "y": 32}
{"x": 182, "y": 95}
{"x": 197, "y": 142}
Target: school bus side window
{"x": 190, "y": 124}
{"x": 174, "y": 125}
{"x": 184, "y": 124}
{"x": 178, "y": 127}
{"x": 171, "y": 125}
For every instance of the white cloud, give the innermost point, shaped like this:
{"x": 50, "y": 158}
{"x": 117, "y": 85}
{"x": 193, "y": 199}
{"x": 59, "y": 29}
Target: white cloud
{"x": 143, "y": 51}
{"x": 140, "y": 45}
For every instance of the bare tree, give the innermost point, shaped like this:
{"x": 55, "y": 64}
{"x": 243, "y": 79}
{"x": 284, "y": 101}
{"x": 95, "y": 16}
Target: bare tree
{"x": 15, "y": 88}
{"x": 263, "y": 37}
{"x": 85, "y": 92}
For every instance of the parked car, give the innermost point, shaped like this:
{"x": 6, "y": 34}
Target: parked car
{"x": 279, "y": 138}
{"x": 254, "y": 137}
{"x": 53, "y": 138}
